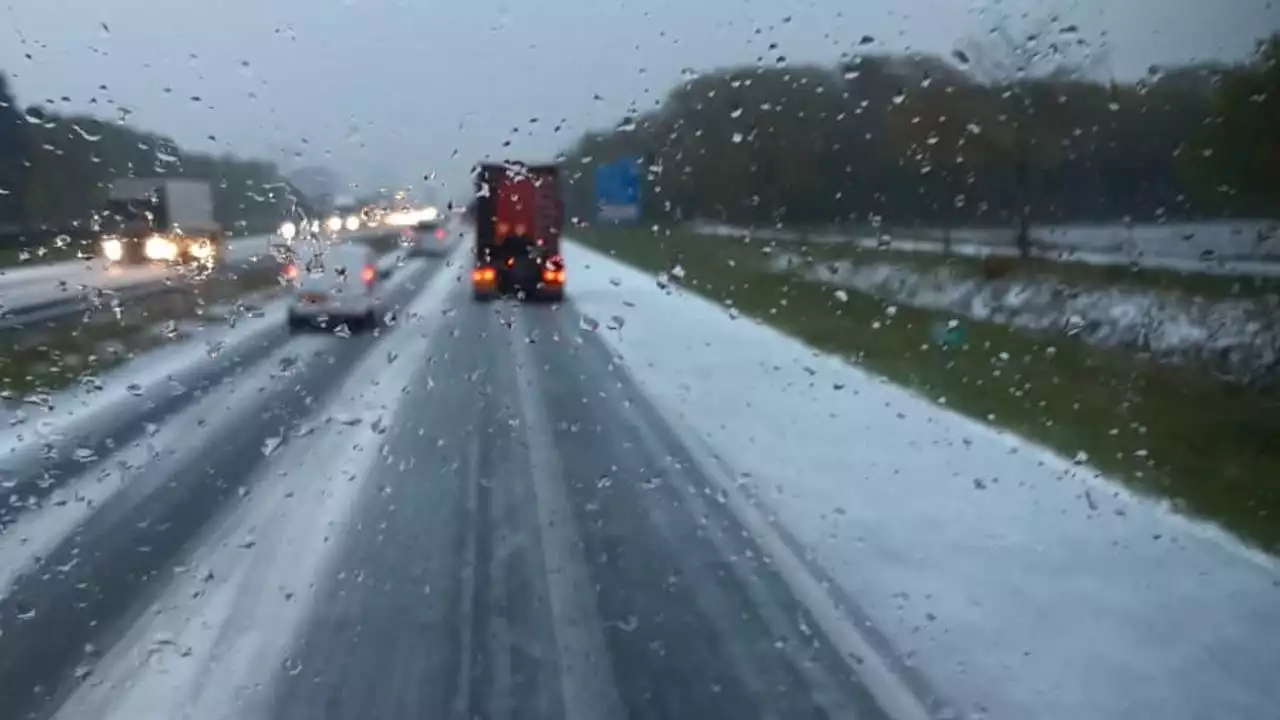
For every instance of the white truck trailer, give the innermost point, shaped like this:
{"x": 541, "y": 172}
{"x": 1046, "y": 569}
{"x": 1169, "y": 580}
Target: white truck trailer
{"x": 160, "y": 220}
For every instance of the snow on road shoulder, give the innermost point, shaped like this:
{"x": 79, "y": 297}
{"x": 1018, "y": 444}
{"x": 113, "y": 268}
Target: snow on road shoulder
{"x": 1014, "y": 580}
{"x": 143, "y": 379}
{"x": 38, "y": 531}
{"x": 146, "y": 378}
{"x": 222, "y": 628}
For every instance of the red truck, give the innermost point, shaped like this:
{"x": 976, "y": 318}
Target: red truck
{"x": 519, "y": 215}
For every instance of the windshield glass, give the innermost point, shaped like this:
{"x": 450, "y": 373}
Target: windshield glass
{"x": 879, "y": 360}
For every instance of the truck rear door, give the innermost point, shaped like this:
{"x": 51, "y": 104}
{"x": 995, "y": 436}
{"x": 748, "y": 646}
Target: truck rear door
{"x": 515, "y": 209}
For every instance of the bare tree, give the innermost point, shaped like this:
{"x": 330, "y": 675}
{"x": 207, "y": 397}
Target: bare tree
{"x": 1021, "y": 62}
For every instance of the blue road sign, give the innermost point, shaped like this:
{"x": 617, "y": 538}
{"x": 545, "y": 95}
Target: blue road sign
{"x": 618, "y": 191}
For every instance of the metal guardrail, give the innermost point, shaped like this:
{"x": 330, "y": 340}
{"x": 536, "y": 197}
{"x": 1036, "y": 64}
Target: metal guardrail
{"x": 81, "y": 302}
{"x": 101, "y": 299}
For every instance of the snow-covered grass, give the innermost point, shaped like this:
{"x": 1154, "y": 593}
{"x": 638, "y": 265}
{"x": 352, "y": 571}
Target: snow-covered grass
{"x": 1173, "y": 432}
{"x": 1237, "y": 337}
{"x": 1241, "y": 247}
{"x": 1022, "y": 584}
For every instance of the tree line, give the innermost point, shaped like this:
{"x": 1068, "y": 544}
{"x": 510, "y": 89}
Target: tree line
{"x": 55, "y": 171}
{"x": 978, "y": 137}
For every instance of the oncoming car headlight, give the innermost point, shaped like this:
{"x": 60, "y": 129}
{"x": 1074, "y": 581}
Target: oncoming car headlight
{"x": 113, "y": 249}
{"x": 288, "y": 231}
{"x": 334, "y": 223}
{"x": 159, "y": 247}
{"x": 202, "y": 250}
{"x": 353, "y": 222}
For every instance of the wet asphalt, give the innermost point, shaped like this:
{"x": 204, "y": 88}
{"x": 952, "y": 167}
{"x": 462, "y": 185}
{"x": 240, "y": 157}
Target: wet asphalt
{"x": 550, "y": 549}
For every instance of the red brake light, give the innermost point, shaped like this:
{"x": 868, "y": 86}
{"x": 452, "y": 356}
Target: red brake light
{"x": 369, "y": 273}
{"x": 440, "y": 233}
{"x": 291, "y": 271}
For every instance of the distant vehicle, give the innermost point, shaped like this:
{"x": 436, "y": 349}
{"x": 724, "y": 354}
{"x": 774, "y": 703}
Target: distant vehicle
{"x": 518, "y": 214}
{"x": 348, "y": 214}
{"x": 428, "y": 238}
{"x": 160, "y": 219}
{"x": 335, "y": 285}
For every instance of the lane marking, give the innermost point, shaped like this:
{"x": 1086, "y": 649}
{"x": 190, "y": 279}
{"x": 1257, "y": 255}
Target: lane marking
{"x": 587, "y": 678}
{"x": 891, "y": 691}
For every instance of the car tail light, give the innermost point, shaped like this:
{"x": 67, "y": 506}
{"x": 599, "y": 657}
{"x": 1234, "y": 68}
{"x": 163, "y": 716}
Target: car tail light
{"x": 369, "y": 273}
{"x": 291, "y": 272}
{"x": 440, "y": 233}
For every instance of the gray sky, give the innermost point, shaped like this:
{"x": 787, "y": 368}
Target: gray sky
{"x": 399, "y": 88}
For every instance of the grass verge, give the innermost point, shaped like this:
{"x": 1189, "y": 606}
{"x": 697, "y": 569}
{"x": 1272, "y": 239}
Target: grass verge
{"x": 49, "y": 356}
{"x": 1212, "y": 448}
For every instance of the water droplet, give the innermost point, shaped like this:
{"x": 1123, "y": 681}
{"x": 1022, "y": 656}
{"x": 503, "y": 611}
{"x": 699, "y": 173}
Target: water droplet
{"x": 270, "y": 444}
{"x": 91, "y": 137}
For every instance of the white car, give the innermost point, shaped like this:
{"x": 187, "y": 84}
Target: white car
{"x": 335, "y": 285}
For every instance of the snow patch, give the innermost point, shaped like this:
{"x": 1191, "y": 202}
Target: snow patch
{"x": 1239, "y": 338}
{"x": 224, "y": 626}
{"x": 38, "y": 531}
{"x": 145, "y": 379}
{"x": 1013, "y": 579}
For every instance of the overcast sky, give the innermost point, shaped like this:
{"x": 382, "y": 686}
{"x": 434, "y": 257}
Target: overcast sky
{"x": 395, "y": 89}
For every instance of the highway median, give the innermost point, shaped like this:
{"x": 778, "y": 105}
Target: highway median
{"x": 1176, "y": 433}
{"x": 90, "y": 333}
